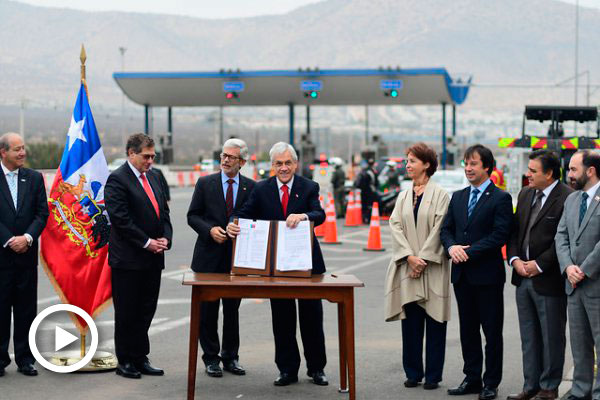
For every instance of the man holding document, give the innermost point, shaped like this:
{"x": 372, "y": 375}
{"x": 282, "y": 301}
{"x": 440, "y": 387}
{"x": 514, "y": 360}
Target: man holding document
{"x": 293, "y": 199}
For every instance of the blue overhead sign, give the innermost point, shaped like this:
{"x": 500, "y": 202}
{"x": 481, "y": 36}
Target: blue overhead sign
{"x": 311, "y": 86}
{"x": 233, "y": 86}
{"x": 388, "y": 84}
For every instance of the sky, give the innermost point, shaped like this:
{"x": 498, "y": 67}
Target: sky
{"x": 204, "y": 8}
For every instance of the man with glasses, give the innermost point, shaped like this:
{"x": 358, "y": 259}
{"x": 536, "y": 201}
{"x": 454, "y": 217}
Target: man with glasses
{"x": 215, "y": 199}
{"x": 140, "y": 234}
{"x": 291, "y": 198}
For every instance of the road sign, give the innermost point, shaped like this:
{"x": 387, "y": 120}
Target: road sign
{"x": 233, "y": 86}
{"x": 388, "y": 84}
{"x": 308, "y": 86}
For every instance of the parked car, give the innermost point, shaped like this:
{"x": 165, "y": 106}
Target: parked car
{"x": 116, "y": 164}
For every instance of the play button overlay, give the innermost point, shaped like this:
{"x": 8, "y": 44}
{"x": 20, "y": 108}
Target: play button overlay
{"x": 62, "y": 338}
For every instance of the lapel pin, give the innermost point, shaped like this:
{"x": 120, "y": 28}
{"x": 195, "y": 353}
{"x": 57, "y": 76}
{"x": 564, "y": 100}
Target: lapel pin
{"x": 597, "y": 198}
{"x": 296, "y": 196}
{"x": 23, "y": 180}
{"x": 244, "y": 188}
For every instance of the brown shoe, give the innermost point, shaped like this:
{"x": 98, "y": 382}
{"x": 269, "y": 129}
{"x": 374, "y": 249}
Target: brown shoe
{"x": 546, "y": 394}
{"x": 522, "y": 396}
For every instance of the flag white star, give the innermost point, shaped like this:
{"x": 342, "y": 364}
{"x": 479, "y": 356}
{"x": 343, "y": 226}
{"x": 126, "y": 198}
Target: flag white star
{"x": 76, "y": 131}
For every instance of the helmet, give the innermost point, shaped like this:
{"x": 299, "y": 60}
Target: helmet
{"x": 336, "y": 161}
{"x": 391, "y": 163}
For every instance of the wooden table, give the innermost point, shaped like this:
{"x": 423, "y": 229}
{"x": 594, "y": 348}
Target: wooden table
{"x": 336, "y": 289}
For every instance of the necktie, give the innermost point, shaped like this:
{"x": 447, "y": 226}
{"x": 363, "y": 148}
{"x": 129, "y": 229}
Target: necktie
{"x": 12, "y": 185}
{"x": 535, "y": 210}
{"x": 284, "y": 199}
{"x": 473, "y": 201}
{"x": 583, "y": 206}
{"x": 150, "y": 194}
{"x": 229, "y": 198}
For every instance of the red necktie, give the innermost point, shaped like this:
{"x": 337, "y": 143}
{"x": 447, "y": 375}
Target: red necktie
{"x": 150, "y": 194}
{"x": 229, "y": 198}
{"x": 284, "y": 199}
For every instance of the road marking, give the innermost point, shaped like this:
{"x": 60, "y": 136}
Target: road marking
{"x": 47, "y": 300}
{"x": 363, "y": 264}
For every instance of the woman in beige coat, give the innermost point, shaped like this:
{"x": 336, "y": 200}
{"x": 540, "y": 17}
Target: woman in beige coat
{"x": 417, "y": 287}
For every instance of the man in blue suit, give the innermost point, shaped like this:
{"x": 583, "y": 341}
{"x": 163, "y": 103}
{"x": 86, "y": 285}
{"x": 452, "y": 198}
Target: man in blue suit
{"x": 291, "y": 198}
{"x": 476, "y": 227}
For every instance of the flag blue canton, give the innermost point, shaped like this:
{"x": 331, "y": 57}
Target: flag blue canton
{"x": 81, "y": 150}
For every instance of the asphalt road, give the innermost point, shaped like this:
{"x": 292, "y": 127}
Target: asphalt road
{"x": 378, "y": 344}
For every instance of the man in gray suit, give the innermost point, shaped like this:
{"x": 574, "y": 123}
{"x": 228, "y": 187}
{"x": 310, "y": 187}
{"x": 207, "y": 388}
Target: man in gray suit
{"x": 578, "y": 250}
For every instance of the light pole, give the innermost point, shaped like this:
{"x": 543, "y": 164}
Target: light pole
{"x": 576, "y": 56}
{"x": 122, "y": 50}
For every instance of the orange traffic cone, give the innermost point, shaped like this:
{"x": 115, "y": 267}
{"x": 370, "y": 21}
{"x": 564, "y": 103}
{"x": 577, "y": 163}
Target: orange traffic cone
{"x": 350, "y": 213}
{"x": 374, "y": 241}
{"x": 320, "y": 230}
{"x": 330, "y": 223}
{"x": 357, "y": 208}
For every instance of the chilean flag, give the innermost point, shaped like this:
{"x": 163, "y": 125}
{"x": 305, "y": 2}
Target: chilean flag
{"x": 74, "y": 247}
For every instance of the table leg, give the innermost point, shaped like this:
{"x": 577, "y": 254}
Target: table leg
{"x": 343, "y": 349}
{"x": 194, "y": 333}
{"x": 349, "y": 316}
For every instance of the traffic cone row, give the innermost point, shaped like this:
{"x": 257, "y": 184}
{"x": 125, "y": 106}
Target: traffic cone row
{"x": 330, "y": 223}
{"x": 320, "y": 230}
{"x": 374, "y": 241}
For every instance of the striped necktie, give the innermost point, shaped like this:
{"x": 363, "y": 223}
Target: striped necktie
{"x": 12, "y": 185}
{"x": 583, "y": 206}
{"x": 472, "y": 202}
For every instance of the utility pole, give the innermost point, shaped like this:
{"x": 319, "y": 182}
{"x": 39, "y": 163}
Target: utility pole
{"x": 122, "y": 50}
{"x": 22, "y": 118}
{"x": 576, "y": 57}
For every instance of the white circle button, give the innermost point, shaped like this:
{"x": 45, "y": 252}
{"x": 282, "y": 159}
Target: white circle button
{"x": 63, "y": 369}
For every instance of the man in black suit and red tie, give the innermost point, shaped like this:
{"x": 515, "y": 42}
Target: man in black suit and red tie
{"x": 291, "y": 198}
{"x": 23, "y": 216}
{"x": 215, "y": 199}
{"x": 476, "y": 227}
{"x": 141, "y": 232}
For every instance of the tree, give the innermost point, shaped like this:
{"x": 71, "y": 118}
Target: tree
{"x": 44, "y": 155}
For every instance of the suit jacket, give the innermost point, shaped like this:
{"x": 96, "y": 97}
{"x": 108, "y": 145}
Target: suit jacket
{"x": 208, "y": 210}
{"x": 541, "y": 239}
{"x": 30, "y": 217}
{"x": 264, "y": 203}
{"x": 486, "y": 231}
{"x": 134, "y": 221}
{"x": 580, "y": 244}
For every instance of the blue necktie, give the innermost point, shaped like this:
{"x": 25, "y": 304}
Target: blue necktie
{"x": 473, "y": 201}
{"x": 12, "y": 185}
{"x": 583, "y": 206}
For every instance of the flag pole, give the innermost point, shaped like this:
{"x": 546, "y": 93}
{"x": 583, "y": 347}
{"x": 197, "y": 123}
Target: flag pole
{"x": 82, "y": 58}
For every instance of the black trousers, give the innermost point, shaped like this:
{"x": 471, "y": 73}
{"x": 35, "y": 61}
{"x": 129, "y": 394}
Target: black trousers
{"x": 481, "y": 307}
{"x": 414, "y": 326}
{"x": 287, "y": 355}
{"x": 209, "y": 335}
{"x": 18, "y": 294}
{"x": 135, "y": 294}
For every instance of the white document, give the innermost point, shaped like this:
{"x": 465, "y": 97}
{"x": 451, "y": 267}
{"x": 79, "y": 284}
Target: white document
{"x": 294, "y": 247}
{"x": 251, "y": 244}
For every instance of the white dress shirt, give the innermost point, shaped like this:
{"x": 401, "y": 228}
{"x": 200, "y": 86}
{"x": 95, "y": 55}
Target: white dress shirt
{"x": 7, "y": 171}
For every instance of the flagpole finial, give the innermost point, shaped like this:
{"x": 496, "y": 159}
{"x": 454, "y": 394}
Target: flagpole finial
{"x": 82, "y": 58}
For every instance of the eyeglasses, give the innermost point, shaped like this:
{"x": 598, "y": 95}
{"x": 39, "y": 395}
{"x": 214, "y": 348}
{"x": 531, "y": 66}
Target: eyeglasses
{"x": 147, "y": 156}
{"x": 225, "y": 156}
{"x": 279, "y": 164}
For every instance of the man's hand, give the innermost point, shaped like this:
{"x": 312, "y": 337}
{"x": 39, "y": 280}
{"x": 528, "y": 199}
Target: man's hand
{"x": 458, "y": 254}
{"x": 18, "y": 244}
{"x": 157, "y": 246}
{"x": 293, "y": 220}
{"x": 416, "y": 265}
{"x": 232, "y": 230}
{"x": 531, "y": 268}
{"x": 218, "y": 234}
{"x": 574, "y": 275}
{"x": 164, "y": 241}
{"x": 519, "y": 266}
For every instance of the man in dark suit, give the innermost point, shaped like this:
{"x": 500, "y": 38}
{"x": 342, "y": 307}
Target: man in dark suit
{"x": 141, "y": 231}
{"x": 23, "y": 216}
{"x": 215, "y": 199}
{"x": 540, "y": 293}
{"x": 291, "y": 198}
{"x": 476, "y": 227}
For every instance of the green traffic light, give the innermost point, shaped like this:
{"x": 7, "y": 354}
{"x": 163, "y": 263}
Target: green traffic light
{"x": 394, "y": 93}
{"x": 314, "y": 95}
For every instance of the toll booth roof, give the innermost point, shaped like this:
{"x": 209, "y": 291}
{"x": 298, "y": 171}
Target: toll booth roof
{"x": 336, "y": 87}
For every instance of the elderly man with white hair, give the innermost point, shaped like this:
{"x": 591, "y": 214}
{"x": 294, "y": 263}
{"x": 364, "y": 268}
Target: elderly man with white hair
{"x": 215, "y": 199}
{"x": 291, "y": 198}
